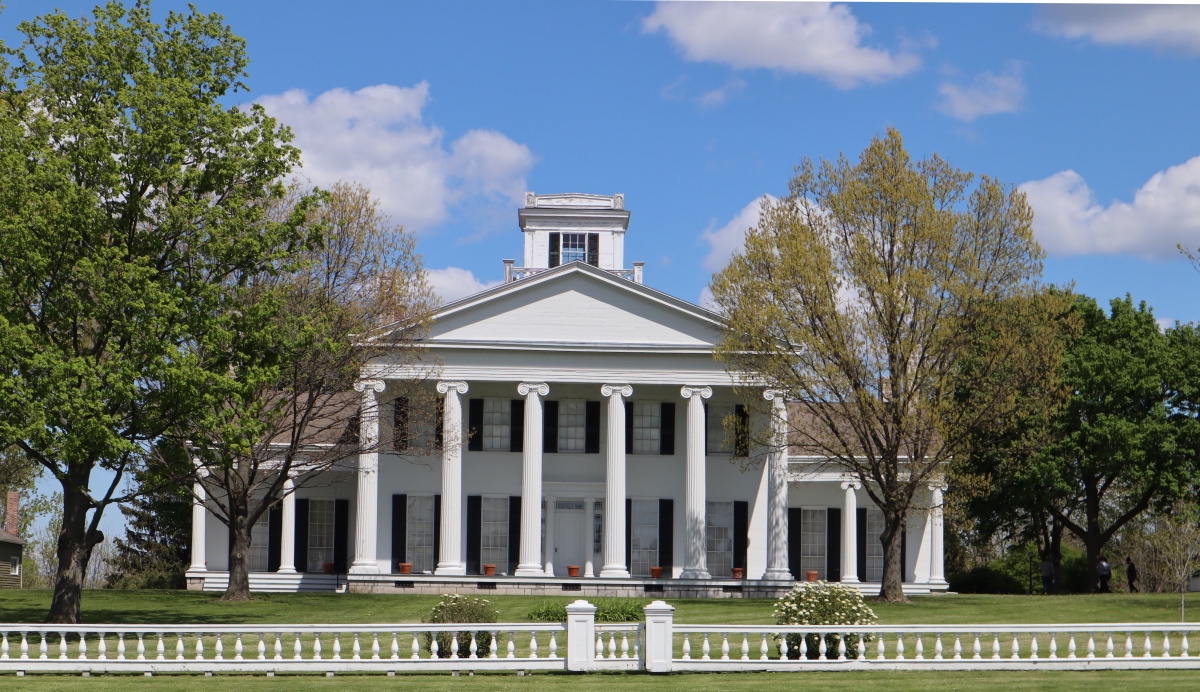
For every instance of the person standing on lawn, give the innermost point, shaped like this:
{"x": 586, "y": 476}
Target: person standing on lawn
{"x": 1047, "y": 576}
{"x": 1131, "y": 574}
{"x": 1105, "y": 573}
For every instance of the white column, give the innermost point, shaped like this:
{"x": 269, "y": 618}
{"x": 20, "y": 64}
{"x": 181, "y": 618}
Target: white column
{"x": 365, "y": 559}
{"x": 548, "y": 570}
{"x": 199, "y": 517}
{"x": 850, "y": 530}
{"x": 589, "y": 518}
{"x": 777, "y": 490}
{"x": 530, "y": 564}
{"x": 695, "y": 558}
{"x": 937, "y": 565}
{"x": 452, "y": 562}
{"x": 614, "y": 484}
{"x": 287, "y": 528}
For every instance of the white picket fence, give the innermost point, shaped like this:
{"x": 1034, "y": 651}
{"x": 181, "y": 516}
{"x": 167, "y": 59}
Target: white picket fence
{"x": 580, "y": 644}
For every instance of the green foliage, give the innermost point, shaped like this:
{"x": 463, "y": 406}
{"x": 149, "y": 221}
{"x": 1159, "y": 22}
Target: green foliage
{"x": 156, "y": 549}
{"x": 455, "y": 608}
{"x": 607, "y": 610}
{"x": 823, "y": 603}
{"x": 986, "y": 579}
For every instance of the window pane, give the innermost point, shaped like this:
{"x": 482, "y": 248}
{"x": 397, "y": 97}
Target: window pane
{"x": 574, "y": 247}
{"x": 812, "y": 541}
{"x": 496, "y": 421}
{"x": 320, "y": 534}
{"x": 874, "y": 546}
{"x": 256, "y": 557}
{"x": 494, "y": 539}
{"x": 419, "y": 549}
{"x": 571, "y": 425}
{"x": 643, "y": 547}
{"x": 719, "y": 535}
{"x": 715, "y": 433}
{"x": 647, "y": 424}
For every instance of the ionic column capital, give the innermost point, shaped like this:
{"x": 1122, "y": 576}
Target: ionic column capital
{"x": 938, "y": 485}
{"x": 540, "y": 388}
{"x": 371, "y": 385}
{"x": 703, "y": 391}
{"x": 457, "y": 386}
{"x": 622, "y": 389}
{"x": 773, "y": 394}
{"x": 850, "y": 483}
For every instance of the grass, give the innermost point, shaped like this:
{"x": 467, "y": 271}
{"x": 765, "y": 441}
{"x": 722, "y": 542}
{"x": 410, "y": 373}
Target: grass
{"x": 191, "y": 607}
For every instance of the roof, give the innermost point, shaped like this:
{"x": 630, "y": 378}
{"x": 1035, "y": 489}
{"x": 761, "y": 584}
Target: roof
{"x": 6, "y": 537}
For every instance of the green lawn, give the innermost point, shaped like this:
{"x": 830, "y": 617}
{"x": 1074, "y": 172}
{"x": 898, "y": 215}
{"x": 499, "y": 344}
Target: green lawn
{"x": 176, "y": 607}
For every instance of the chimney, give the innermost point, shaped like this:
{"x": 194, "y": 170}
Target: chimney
{"x": 10, "y": 512}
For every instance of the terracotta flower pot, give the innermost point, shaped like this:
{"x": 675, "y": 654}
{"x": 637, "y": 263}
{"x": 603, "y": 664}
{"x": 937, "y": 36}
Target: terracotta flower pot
{"x": 405, "y": 568}
{"x": 738, "y": 572}
{"x": 327, "y": 567}
{"x": 489, "y": 570}
{"x": 810, "y": 575}
{"x": 572, "y": 570}
{"x": 656, "y": 572}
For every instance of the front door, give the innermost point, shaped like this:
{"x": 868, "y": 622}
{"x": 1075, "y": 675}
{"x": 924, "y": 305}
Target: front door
{"x": 568, "y": 534}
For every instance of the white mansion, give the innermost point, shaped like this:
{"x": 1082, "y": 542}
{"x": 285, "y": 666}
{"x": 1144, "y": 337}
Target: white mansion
{"x": 583, "y": 449}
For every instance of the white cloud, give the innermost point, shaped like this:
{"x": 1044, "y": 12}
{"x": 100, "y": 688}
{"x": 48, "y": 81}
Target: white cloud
{"x": 819, "y": 39}
{"x": 1172, "y": 27}
{"x": 727, "y": 239}
{"x": 721, "y": 94}
{"x": 1165, "y": 212}
{"x": 452, "y": 283}
{"x": 987, "y": 94}
{"x": 377, "y": 136}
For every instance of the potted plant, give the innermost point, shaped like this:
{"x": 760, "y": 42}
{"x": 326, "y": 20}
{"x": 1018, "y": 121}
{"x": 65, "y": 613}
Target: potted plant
{"x": 656, "y": 572}
{"x": 489, "y": 570}
{"x": 405, "y": 568}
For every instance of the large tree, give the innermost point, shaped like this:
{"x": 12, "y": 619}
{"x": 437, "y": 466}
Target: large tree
{"x": 278, "y": 379}
{"x": 860, "y": 295}
{"x": 129, "y": 195}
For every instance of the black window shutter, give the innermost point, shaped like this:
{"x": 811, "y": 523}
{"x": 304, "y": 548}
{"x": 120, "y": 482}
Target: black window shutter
{"x": 593, "y": 249}
{"x": 666, "y": 421}
{"x": 437, "y": 529}
{"x": 516, "y": 436}
{"x": 301, "y": 547}
{"x": 629, "y": 535}
{"x": 475, "y": 425}
{"x": 628, "y": 407}
{"x": 399, "y": 531}
{"x": 795, "y": 543}
{"x": 474, "y": 533}
{"x": 903, "y": 555}
{"x": 741, "y": 440}
{"x": 741, "y": 534}
{"x": 514, "y": 533}
{"x": 555, "y": 248}
{"x": 833, "y": 544}
{"x": 274, "y": 537}
{"x": 591, "y": 427}
{"x": 400, "y": 439}
{"x": 439, "y": 424}
{"x": 341, "y": 535}
{"x": 666, "y": 535}
{"x": 550, "y": 427}
{"x": 861, "y": 542}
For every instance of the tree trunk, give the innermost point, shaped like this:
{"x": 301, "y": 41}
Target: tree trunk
{"x": 892, "y": 588}
{"x": 73, "y": 552}
{"x": 239, "y": 549}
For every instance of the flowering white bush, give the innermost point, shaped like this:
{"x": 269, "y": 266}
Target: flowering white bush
{"x": 454, "y": 608}
{"x": 823, "y": 603}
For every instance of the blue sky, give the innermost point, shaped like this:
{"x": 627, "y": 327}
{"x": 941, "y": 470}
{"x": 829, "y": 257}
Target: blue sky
{"x": 449, "y": 111}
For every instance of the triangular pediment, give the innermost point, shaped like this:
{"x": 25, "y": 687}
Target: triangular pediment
{"x": 576, "y": 305}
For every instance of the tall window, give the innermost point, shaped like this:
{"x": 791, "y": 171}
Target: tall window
{"x": 717, "y": 441}
{"x": 598, "y": 528}
{"x": 256, "y": 557}
{"x": 496, "y": 424}
{"x": 647, "y": 427}
{"x": 574, "y": 247}
{"x": 874, "y": 546}
{"x": 719, "y": 535}
{"x": 812, "y": 541}
{"x": 418, "y": 543}
{"x": 494, "y": 547}
{"x": 320, "y": 534}
{"x": 643, "y": 549}
{"x": 572, "y": 425}
{"x": 14, "y": 566}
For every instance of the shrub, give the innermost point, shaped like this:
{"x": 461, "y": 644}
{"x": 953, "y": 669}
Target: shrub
{"x": 823, "y": 603}
{"x": 985, "y": 580}
{"x": 607, "y": 610}
{"x": 455, "y": 608}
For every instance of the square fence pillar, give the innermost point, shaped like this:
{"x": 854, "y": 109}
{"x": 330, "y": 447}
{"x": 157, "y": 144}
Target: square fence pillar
{"x": 581, "y": 636}
{"x": 660, "y": 628}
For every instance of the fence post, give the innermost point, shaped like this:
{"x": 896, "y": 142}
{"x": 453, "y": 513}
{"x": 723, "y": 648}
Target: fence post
{"x": 581, "y": 636}
{"x": 660, "y": 628}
